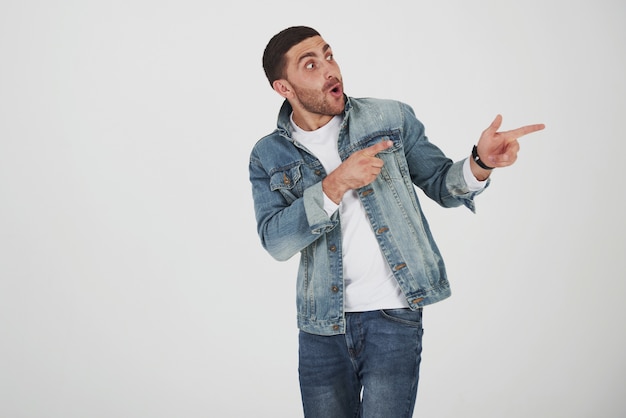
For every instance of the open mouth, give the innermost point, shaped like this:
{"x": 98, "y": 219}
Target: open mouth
{"x": 336, "y": 91}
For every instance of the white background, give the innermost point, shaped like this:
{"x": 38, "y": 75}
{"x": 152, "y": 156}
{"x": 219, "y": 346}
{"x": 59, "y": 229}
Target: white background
{"x": 132, "y": 281}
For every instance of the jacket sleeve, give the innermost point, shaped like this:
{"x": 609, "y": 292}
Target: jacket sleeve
{"x": 287, "y": 226}
{"x": 438, "y": 176}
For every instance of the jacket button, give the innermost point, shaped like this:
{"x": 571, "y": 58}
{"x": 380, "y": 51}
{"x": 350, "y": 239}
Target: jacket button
{"x": 418, "y": 300}
{"x": 286, "y": 179}
{"x": 381, "y": 230}
{"x": 335, "y": 327}
{"x": 333, "y": 248}
{"x": 400, "y": 266}
{"x": 335, "y": 289}
{"x": 318, "y": 172}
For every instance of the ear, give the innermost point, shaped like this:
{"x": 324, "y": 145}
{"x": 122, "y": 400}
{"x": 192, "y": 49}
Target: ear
{"x": 282, "y": 87}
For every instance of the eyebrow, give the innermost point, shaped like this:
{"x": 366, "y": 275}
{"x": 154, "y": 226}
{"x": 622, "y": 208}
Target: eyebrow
{"x": 312, "y": 54}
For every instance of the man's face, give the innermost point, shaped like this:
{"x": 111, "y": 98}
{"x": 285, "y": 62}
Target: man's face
{"x": 315, "y": 78}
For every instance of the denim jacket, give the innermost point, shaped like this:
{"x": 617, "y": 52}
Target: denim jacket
{"x": 289, "y": 206}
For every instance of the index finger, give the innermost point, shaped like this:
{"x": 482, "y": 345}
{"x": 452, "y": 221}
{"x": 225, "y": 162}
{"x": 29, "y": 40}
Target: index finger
{"x": 524, "y": 130}
{"x": 378, "y": 147}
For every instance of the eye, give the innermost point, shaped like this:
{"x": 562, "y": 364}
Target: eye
{"x": 309, "y": 66}
{"x": 330, "y": 57}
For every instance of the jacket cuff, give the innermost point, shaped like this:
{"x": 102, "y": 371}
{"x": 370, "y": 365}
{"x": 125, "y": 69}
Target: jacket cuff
{"x": 316, "y": 215}
{"x": 457, "y": 186}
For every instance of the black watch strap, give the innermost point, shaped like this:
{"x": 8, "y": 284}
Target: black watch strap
{"x": 478, "y": 161}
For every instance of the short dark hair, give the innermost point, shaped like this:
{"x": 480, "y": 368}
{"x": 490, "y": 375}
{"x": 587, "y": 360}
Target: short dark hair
{"x": 277, "y": 47}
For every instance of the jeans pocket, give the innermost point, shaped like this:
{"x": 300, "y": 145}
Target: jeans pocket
{"x": 404, "y": 316}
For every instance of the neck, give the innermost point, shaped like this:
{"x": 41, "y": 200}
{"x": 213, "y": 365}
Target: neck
{"x": 310, "y": 121}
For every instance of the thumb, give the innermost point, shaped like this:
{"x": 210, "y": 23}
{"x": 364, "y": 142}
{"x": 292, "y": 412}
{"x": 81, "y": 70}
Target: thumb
{"x": 495, "y": 125}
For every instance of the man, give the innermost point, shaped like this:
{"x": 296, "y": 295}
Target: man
{"x": 335, "y": 183}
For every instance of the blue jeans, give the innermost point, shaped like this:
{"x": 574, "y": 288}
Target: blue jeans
{"x": 371, "y": 371}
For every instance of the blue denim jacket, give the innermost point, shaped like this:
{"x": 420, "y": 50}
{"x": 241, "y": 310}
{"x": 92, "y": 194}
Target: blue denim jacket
{"x": 288, "y": 201}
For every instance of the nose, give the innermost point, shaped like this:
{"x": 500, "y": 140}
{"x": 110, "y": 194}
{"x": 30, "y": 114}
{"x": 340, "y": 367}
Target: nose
{"x": 331, "y": 70}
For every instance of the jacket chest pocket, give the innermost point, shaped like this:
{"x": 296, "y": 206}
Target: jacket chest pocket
{"x": 393, "y": 157}
{"x": 288, "y": 181}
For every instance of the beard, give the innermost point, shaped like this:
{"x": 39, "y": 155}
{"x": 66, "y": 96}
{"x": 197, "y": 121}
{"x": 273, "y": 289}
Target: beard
{"x": 315, "y": 101}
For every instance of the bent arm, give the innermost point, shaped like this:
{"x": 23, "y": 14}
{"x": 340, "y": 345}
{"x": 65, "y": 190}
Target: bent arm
{"x": 431, "y": 170}
{"x": 287, "y": 227}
